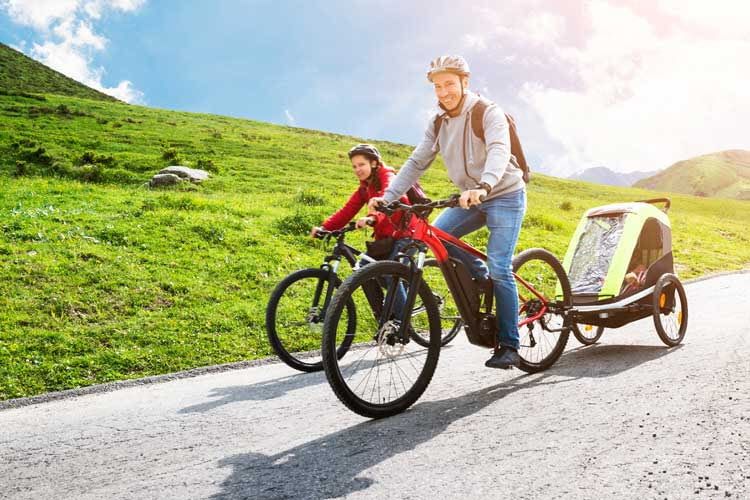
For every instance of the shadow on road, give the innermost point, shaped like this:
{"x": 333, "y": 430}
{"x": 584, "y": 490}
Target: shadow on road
{"x": 605, "y": 360}
{"x": 329, "y": 466}
{"x": 263, "y": 391}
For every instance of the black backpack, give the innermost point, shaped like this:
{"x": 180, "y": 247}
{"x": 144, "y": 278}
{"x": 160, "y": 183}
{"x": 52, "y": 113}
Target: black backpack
{"x": 477, "y": 126}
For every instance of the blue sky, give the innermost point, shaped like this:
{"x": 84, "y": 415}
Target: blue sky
{"x": 590, "y": 82}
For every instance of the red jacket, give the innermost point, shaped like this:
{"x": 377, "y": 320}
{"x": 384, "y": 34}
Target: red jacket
{"x": 384, "y": 226}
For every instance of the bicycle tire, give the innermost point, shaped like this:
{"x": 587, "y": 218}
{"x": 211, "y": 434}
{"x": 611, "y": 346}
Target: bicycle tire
{"x": 530, "y": 363}
{"x": 666, "y": 315}
{"x": 581, "y": 335}
{"x": 299, "y": 360}
{"x": 380, "y": 343}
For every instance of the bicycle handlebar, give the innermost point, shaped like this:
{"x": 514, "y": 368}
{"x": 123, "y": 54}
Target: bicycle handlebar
{"x": 322, "y": 234}
{"x": 422, "y": 208}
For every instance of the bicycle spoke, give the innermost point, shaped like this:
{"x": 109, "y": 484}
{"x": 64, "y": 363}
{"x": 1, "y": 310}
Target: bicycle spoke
{"x": 391, "y": 373}
{"x": 357, "y": 363}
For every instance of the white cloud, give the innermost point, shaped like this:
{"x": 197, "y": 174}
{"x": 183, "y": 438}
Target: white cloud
{"x": 543, "y": 28}
{"x": 126, "y": 92}
{"x": 649, "y": 97}
{"x": 475, "y": 42}
{"x": 727, "y": 17}
{"x": 39, "y": 14}
{"x": 290, "y": 118}
{"x": 69, "y": 41}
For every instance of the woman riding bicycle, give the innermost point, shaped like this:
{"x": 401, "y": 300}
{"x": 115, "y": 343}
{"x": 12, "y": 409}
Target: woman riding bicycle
{"x": 374, "y": 178}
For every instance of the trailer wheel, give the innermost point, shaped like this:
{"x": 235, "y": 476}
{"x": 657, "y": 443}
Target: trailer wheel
{"x": 587, "y": 334}
{"x": 670, "y": 310}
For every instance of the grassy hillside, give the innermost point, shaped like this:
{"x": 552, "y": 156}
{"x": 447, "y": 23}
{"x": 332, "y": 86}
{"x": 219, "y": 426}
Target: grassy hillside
{"x": 103, "y": 279}
{"x": 21, "y": 74}
{"x": 724, "y": 175}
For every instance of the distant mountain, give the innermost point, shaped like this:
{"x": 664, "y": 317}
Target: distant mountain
{"x": 725, "y": 174}
{"x": 603, "y": 175}
{"x": 21, "y": 74}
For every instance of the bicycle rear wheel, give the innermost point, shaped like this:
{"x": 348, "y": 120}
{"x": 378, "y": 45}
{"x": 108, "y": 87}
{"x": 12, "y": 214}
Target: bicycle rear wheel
{"x": 543, "y": 294}
{"x": 383, "y": 374}
{"x": 295, "y": 314}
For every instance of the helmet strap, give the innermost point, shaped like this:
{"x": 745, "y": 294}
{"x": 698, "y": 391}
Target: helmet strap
{"x": 454, "y": 111}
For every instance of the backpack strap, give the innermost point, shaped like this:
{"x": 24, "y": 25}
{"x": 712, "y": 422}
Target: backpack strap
{"x": 477, "y": 117}
{"x": 437, "y": 124}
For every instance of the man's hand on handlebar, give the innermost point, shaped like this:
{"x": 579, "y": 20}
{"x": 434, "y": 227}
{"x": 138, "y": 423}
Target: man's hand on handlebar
{"x": 314, "y": 231}
{"x": 471, "y": 197}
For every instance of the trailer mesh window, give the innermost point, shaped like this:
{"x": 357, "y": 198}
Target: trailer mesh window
{"x": 594, "y": 253}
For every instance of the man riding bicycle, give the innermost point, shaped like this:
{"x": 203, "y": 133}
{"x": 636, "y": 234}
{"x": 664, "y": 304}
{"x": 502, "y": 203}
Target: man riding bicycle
{"x": 479, "y": 167}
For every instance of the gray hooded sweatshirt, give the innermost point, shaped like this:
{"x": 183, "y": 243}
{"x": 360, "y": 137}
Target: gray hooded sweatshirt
{"x": 468, "y": 159}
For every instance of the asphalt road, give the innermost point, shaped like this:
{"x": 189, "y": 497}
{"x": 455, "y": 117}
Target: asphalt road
{"x": 627, "y": 418}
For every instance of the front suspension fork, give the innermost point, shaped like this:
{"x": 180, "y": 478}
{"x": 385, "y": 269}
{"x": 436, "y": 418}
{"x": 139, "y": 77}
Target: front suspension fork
{"x": 415, "y": 278}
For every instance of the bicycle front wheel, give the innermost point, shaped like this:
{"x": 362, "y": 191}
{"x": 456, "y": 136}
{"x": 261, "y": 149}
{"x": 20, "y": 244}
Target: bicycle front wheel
{"x": 543, "y": 295}
{"x": 384, "y": 373}
{"x": 295, "y": 314}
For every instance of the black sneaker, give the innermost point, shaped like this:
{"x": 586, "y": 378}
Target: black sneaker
{"x": 504, "y": 358}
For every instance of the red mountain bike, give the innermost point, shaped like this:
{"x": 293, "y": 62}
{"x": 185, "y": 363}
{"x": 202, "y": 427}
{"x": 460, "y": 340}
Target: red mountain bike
{"x": 388, "y": 372}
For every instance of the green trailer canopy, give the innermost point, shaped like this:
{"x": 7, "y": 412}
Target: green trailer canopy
{"x": 611, "y": 241}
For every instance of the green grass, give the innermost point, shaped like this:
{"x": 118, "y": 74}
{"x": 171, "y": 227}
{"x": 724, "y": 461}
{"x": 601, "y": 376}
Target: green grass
{"x": 20, "y": 74}
{"x": 725, "y": 175}
{"x": 102, "y": 279}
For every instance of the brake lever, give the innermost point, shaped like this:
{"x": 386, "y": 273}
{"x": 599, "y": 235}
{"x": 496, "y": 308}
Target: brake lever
{"x": 451, "y": 202}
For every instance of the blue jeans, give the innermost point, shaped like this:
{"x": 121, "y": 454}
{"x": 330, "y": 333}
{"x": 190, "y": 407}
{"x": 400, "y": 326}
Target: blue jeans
{"x": 503, "y": 216}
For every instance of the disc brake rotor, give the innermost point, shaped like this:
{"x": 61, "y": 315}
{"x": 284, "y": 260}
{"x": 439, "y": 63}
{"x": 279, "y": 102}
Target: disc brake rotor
{"x": 389, "y": 344}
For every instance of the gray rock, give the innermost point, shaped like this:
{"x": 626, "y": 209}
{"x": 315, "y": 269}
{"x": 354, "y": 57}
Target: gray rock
{"x": 191, "y": 174}
{"x": 164, "y": 180}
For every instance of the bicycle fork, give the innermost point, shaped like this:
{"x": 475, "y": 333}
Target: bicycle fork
{"x": 415, "y": 277}
{"x": 318, "y": 312}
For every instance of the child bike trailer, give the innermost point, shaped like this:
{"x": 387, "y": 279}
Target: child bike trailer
{"x": 621, "y": 269}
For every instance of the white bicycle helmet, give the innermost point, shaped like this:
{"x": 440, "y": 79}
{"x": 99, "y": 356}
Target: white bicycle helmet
{"x": 448, "y": 64}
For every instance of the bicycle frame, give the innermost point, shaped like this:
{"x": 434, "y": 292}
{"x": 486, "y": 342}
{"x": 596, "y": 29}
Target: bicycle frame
{"x": 435, "y": 239}
{"x": 331, "y": 264}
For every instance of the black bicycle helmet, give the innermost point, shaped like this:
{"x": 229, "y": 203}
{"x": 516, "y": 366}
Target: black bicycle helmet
{"x": 367, "y": 150}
